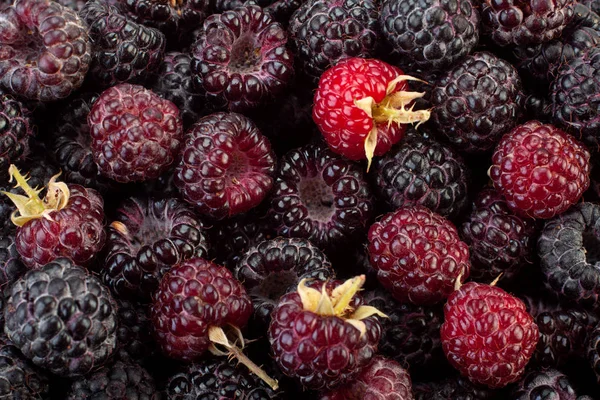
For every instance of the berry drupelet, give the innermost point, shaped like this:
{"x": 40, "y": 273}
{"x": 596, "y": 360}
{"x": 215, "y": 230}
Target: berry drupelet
{"x": 382, "y": 379}
{"x": 420, "y": 171}
{"x": 217, "y": 379}
{"x": 115, "y": 382}
{"x": 67, "y": 222}
{"x": 568, "y": 250}
{"x": 410, "y": 334}
{"x": 19, "y": 380}
{"x": 575, "y": 93}
{"x": 429, "y": 35}
{"x": 123, "y": 50}
{"x": 361, "y": 109}
{"x": 16, "y": 129}
{"x": 240, "y": 59}
{"x": 487, "y": 334}
{"x": 418, "y": 255}
{"x": 11, "y": 266}
{"x": 62, "y": 318}
{"x": 226, "y": 166}
{"x": 173, "y": 81}
{"x": 72, "y": 145}
{"x": 525, "y": 22}
{"x": 195, "y": 302}
{"x": 280, "y": 10}
{"x": 147, "y": 238}
{"x": 324, "y": 32}
{"x": 322, "y": 334}
{"x": 544, "y": 384}
{"x": 273, "y": 267}
{"x": 46, "y": 50}
{"x": 476, "y": 102}
{"x": 322, "y": 197}
{"x": 500, "y": 242}
{"x": 540, "y": 170}
{"x": 136, "y": 135}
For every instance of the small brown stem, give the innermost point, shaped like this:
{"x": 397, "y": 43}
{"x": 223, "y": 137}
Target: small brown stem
{"x": 255, "y": 369}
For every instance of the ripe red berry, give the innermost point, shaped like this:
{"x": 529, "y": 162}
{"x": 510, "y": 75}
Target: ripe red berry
{"x": 135, "y": 134}
{"x": 540, "y": 170}
{"x": 321, "y": 333}
{"x": 488, "y": 334}
{"x": 418, "y": 255}
{"x": 362, "y": 107}
{"x": 67, "y": 222}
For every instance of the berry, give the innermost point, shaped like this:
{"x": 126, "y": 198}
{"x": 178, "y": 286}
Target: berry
{"x": 325, "y": 32}
{"x": 46, "y": 50}
{"x": 147, "y": 238}
{"x": 382, "y": 379}
{"x": 322, "y": 334}
{"x": 594, "y": 5}
{"x": 16, "y": 129}
{"x": 430, "y": 35}
{"x": 135, "y": 343}
{"x": 226, "y": 166}
{"x": 544, "y": 384}
{"x": 574, "y": 93}
{"x": 19, "y": 380}
{"x": 62, "y": 318}
{"x": 321, "y": 197}
{"x": 422, "y": 172}
{"x": 280, "y": 10}
{"x": 500, "y": 242}
{"x": 11, "y": 266}
{"x": 418, "y": 255}
{"x": 540, "y": 170}
{"x": 240, "y": 59}
{"x": 360, "y": 107}
{"x": 567, "y": 248}
{"x": 124, "y": 51}
{"x": 271, "y": 268}
{"x": 135, "y": 134}
{"x": 68, "y": 222}
{"x": 217, "y": 379}
{"x": 525, "y": 22}
{"x": 452, "y": 389}
{"x": 411, "y": 334}
{"x": 72, "y": 145}
{"x": 593, "y": 350}
{"x": 173, "y": 81}
{"x": 487, "y": 334}
{"x": 476, "y": 102}
{"x": 119, "y": 381}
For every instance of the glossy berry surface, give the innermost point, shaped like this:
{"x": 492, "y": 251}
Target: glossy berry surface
{"x": 16, "y": 129}
{"x": 135, "y": 133}
{"x": 11, "y": 266}
{"x": 240, "y": 59}
{"x": 147, "y": 238}
{"x": 46, "y": 50}
{"x": 192, "y": 297}
{"x": 546, "y": 384}
{"x": 540, "y": 170}
{"x": 19, "y": 379}
{"x": 487, "y": 334}
{"x": 226, "y": 166}
{"x": 321, "y": 197}
{"x": 418, "y": 255}
{"x": 62, "y": 318}
{"x": 135, "y": 342}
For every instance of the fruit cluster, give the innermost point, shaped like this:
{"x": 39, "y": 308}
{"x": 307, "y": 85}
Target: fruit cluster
{"x": 299, "y": 199}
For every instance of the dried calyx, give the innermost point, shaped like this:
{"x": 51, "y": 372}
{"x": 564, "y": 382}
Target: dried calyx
{"x": 31, "y": 206}
{"x": 392, "y": 109}
{"x": 337, "y": 304}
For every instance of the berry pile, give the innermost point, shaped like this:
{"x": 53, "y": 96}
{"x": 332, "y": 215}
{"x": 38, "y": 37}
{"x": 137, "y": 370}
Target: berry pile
{"x": 300, "y": 199}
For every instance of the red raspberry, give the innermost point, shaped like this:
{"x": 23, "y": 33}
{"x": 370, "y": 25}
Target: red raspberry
{"x": 382, "y": 379}
{"x": 361, "y": 107}
{"x": 194, "y": 302}
{"x": 488, "y": 334}
{"x": 45, "y": 50}
{"x": 418, "y": 255}
{"x": 321, "y": 333}
{"x": 68, "y": 222}
{"x": 135, "y": 133}
{"x": 540, "y": 170}
{"x": 226, "y": 166}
